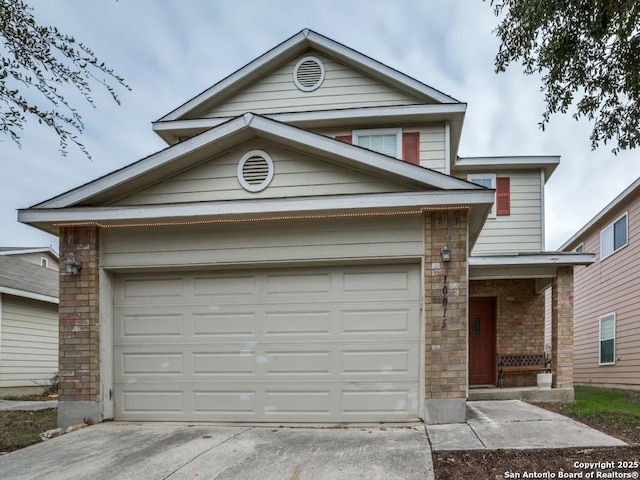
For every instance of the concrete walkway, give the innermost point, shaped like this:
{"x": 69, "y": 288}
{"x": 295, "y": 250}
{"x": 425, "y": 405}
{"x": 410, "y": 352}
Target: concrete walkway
{"x": 27, "y": 405}
{"x": 513, "y": 424}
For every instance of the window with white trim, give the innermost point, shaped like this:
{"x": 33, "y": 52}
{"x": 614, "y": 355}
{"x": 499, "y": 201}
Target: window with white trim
{"x": 387, "y": 141}
{"x": 613, "y": 237}
{"x": 44, "y": 262}
{"x": 607, "y": 349}
{"x": 579, "y": 248}
{"x": 487, "y": 180}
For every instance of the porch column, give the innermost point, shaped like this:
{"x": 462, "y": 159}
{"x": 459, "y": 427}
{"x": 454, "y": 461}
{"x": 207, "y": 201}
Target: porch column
{"x": 562, "y": 328}
{"x": 446, "y": 292}
{"x": 79, "y": 363}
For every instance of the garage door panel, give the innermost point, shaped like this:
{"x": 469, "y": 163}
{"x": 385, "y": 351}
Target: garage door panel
{"x": 379, "y": 401}
{"x": 153, "y": 402}
{"x": 226, "y": 402}
{"x": 224, "y": 325}
{"x": 298, "y": 322}
{"x": 384, "y": 320}
{"x": 145, "y": 291}
{"x": 378, "y": 362}
{"x": 152, "y": 364}
{"x": 226, "y": 288}
{"x": 143, "y": 325}
{"x": 230, "y": 363}
{"x": 303, "y": 286}
{"x": 305, "y": 344}
{"x": 279, "y": 363}
{"x": 289, "y": 402}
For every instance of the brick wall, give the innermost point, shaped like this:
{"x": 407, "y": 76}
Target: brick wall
{"x": 520, "y": 320}
{"x": 79, "y": 377}
{"x": 446, "y": 336}
{"x": 562, "y": 328}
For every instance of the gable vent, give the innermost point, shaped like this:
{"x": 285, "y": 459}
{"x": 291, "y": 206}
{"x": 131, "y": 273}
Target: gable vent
{"x": 308, "y": 74}
{"x": 255, "y": 171}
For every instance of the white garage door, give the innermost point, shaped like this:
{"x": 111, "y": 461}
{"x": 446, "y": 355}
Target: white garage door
{"x": 312, "y": 344}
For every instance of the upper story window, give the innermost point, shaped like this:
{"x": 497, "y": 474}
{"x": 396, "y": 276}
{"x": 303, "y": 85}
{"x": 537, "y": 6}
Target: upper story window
{"x": 502, "y": 186}
{"x": 44, "y": 262}
{"x": 487, "y": 180}
{"x": 613, "y": 237}
{"x": 607, "y": 349}
{"x": 579, "y": 248}
{"x": 387, "y": 141}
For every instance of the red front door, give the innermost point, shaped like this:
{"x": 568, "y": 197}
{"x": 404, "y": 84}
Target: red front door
{"x": 482, "y": 341}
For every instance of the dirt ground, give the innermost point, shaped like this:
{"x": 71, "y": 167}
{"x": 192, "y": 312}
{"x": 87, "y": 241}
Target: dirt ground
{"x": 549, "y": 463}
{"x": 20, "y": 429}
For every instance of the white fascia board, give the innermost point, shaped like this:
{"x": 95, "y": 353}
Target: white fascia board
{"x": 152, "y": 162}
{"x": 248, "y": 71}
{"x": 30, "y": 250}
{"x": 31, "y": 295}
{"x": 318, "y": 118}
{"x": 262, "y": 207}
{"x": 603, "y": 213}
{"x": 376, "y": 68}
{"x": 515, "y": 260}
{"x": 546, "y": 162}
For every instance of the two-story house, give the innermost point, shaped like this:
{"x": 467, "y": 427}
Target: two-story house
{"x": 28, "y": 319}
{"x": 309, "y": 247}
{"x": 606, "y": 295}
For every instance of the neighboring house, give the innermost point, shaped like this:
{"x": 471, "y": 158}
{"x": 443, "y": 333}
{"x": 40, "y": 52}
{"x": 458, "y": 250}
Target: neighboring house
{"x": 28, "y": 319}
{"x": 607, "y": 295}
{"x": 308, "y": 248}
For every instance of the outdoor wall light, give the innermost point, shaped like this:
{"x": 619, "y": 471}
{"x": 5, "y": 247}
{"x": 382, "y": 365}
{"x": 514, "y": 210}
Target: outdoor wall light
{"x": 446, "y": 254}
{"x": 72, "y": 267}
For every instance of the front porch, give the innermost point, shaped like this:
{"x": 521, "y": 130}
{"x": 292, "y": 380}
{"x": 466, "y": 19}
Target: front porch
{"x": 521, "y": 305}
{"x": 525, "y": 394}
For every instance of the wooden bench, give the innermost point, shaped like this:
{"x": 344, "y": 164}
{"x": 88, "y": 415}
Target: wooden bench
{"x": 521, "y": 362}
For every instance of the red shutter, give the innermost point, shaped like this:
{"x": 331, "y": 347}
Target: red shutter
{"x": 411, "y": 147}
{"x": 344, "y": 138}
{"x": 503, "y": 196}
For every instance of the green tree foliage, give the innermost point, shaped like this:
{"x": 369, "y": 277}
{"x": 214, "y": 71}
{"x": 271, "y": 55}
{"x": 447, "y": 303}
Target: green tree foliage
{"x": 37, "y": 64}
{"x": 588, "y": 54}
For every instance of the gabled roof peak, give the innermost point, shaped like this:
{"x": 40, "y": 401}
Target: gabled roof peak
{"x": 290, "y": 48}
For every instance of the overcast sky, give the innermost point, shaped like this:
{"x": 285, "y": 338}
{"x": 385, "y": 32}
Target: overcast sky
{"x": 170, "y": 50}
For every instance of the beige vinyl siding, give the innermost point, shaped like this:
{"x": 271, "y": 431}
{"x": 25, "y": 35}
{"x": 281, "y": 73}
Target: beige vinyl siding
{"x": 36, "y": 258}
{"x": 432, "y": 142}
{"x": 269, "y": 242}
{"x": 295, "y": 175}
{"x": 28, "y": 342}
{"x": 609, "y": 286}
{"x": 521, "y": 231}
{"x": 343, "y": 87}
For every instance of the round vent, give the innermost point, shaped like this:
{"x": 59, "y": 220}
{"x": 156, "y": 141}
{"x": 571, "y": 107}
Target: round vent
{"x": 255, "y": 171}
{"x": 308, "y": 74}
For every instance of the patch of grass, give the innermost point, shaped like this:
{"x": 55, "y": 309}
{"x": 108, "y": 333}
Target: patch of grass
{"x": 19, "y": 429}
{"x": 617, "y": 407}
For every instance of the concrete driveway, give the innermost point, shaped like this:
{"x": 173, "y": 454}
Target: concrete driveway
{"x": 172, "y": 452}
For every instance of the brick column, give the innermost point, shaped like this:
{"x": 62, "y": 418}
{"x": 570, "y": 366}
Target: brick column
{"x": 79, "y": 363}
{"x": 562, "y": 328}
{"x": 446, "y": 286}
